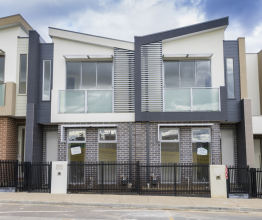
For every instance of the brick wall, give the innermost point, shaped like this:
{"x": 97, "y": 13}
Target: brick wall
{"x": 139, "y": 152}
{"x": 8, "y": 137}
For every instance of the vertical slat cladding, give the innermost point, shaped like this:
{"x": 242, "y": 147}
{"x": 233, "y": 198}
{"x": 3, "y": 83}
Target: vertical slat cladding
{"x": 124, "y": 85}
{"x": 151, "y": 77}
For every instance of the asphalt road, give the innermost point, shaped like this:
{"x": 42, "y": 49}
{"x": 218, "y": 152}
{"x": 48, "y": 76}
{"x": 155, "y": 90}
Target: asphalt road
{"x": 33, "y": 212}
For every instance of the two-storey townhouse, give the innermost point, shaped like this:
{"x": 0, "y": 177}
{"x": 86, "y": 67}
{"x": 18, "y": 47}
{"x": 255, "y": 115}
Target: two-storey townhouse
{"x": 173, "y": 97}
{"x": 254, "y": 92}
{"x": 14, "y": 32}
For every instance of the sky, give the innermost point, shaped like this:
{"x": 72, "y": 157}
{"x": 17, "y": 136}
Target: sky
{"x": 124, "y": 19}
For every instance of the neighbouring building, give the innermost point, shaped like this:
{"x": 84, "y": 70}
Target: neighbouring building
{"x": 178, "y": 96}
{"x": 14, "y": 40}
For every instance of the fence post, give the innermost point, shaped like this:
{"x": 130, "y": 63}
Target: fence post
{"x": 253, "y": 182}
{"x": 16, "y": 176}
{"x": 249, "y": 186}
{"x": 49, "y": 176}
{"x": 29, "y": 176}
{"x": 175, "y": 177}
{"x": 102, "y": 191}
{"x": 138, "y": 178}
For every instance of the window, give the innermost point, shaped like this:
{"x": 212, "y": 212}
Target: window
{"x": 230, "y": 78}
{"x": 2, "y": 69}
{"x": 46, "y": 80}
{"x": 201, "y": 152}
{"x": 107, "y": 153}
{"x": 187, "y": 74}
{"x": 170, "y": 153}
{"x": 89, "y": 75}
{"x": 2, "y": 85}
{"x": 22, "y": 77}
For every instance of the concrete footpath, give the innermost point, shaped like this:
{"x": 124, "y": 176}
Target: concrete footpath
{"x": 134, "y": 202}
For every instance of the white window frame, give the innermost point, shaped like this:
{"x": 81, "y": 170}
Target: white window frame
{"x": 168, "y": 141}
{"x": 107, "y": 141}
{"x": 44, "y": 81}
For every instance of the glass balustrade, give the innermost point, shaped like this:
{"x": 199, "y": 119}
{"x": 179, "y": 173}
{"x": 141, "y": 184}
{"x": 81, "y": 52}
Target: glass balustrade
{"x": 85, "y": 101}
{"x": 2, "y": 94}
{"x": 192, "y": 99}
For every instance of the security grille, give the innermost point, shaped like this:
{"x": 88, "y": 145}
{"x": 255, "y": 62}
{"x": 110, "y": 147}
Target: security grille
{"x": 151, "y": 78}
{"x": 124, "y": 87}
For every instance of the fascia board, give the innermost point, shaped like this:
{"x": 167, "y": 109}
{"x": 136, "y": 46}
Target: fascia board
{"x": 90, "y": 39}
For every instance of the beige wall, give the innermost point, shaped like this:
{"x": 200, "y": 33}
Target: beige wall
{"x": 21, "y": 100}
{"x": 242, "y": 67}
{"x": 253, "y": 82}
{"x": 10, "y": 20}
{"x": 209, "y": 42}
{"x": 10, "y": 98}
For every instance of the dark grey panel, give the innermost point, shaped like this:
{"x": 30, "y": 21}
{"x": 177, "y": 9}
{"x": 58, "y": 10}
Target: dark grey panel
{"x": 44, "y": 107}
{"x": 172, "y": 116}
{"x": 183, "y": 31}
{"x": 234, "y": 109}
{"x": 241, "y": 139}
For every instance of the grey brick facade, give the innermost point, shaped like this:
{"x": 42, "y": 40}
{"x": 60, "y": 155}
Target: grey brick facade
{"x": 139, "y": 151}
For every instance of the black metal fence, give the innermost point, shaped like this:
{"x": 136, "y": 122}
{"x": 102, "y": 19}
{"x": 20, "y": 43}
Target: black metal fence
{"x": 238, "y": 180}
{"x": 26, "y": 176}
{"x": 136, "y": 178}
{"x": 256, "y": 182}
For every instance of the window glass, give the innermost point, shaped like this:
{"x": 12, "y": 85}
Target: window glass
{"x": 76, "y": 135}
{"x": 107, "y": 134}
{"x": 46, "y": 80}
{"x": 77, "y": 153}
{"x": 169, "y": 134}
{"x": 205, "y": 99}
{"x": 104, "y": 75}
{"x": 73, "y": 77}
{"x": 170, "y": 152}
{"x": 88, "y": 75}
{"x": 230, "y": 79}
{"x": 2, "y": 68}
{"x": 201, "y": 153}
{"x": 177, "y": 100}
{"x": 171, "y": 74}
{"x": 203, "y": 73}
{"x": 107, "y": 152}
{"x": 187, "y": 74}
{"x": 99, "y": 101}
{"x": 72, "y": 101}
{"x": 201, "y": 134}
{"x": 22, "y": 77}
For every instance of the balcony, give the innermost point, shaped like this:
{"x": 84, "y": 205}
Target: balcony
{"x": 2, "y": 94}
{"x": 192, "y": 99}
{"x": 85, "y": 101}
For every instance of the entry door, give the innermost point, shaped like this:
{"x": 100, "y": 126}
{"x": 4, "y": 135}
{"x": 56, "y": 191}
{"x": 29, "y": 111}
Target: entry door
{"x": 51, "y": 146}
{"x": 227, "y": 147}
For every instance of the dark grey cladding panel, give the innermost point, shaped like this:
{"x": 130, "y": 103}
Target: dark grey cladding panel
{"x": 234, "y": 109}
{"x": 187, "y": 116}
{"x": 183, "y": 31}
{"x": 44, "y": 107}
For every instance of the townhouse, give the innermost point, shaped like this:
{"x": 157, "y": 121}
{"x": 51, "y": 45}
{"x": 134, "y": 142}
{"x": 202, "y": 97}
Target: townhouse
{"x": 178, "y": 96}
{"x": 14, "y": 38}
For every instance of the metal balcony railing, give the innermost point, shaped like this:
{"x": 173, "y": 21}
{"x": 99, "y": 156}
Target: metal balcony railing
{"x": 2, "y": 94}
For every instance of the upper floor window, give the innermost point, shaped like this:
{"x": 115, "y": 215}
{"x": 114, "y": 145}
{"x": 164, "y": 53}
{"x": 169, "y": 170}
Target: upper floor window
{"x": 196, "y": 73}
{"x": 22, "y": 76}
{"x": 230, "y": 78}
{"x": 46, "y": 80}
{"x": 89, "y": 75}
{"x": 2, "y": 68}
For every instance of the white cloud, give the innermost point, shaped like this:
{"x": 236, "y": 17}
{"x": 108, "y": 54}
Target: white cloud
{"x": 129, "y": 18}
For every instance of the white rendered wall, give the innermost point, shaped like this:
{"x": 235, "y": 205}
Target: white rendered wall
{"x": 209, "y": 42}
{"x": 8, "y": 43}
{"x": 69, "y": 47}
{"x": 257, "y": 124}
{"x": 21, "y": 100}
{"x": 22, "y": 32}
{"x": 253, "y": 82}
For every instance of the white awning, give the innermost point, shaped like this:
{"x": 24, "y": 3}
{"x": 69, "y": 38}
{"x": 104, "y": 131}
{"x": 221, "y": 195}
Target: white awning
{"x": 186, "y": 55}
{"x": 83, "y": 126}
{"x": 2, "y": 52}
{"x": 88, "y": 56}
{"x": 181, "y": 125}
